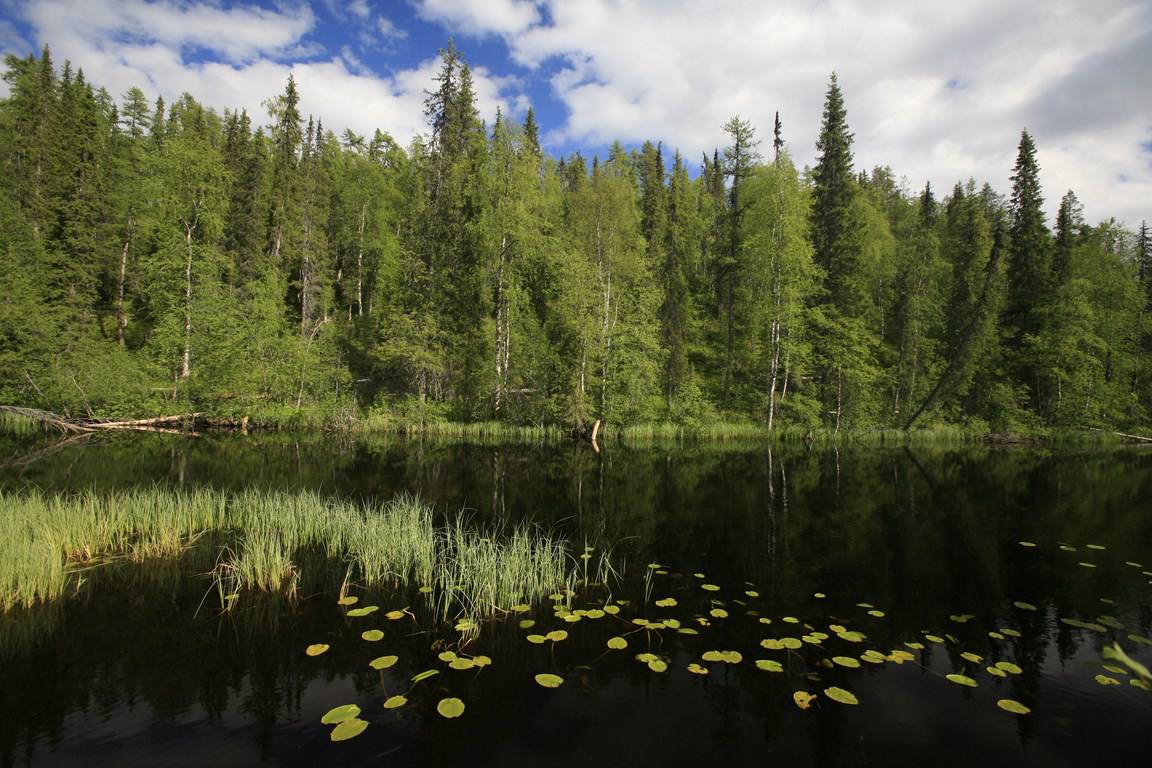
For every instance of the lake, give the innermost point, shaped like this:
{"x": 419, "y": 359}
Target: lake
{"x": 846, "y": 553}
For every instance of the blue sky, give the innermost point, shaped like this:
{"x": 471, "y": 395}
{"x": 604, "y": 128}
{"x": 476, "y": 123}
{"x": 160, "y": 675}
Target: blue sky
{"x": 937, "y": 91}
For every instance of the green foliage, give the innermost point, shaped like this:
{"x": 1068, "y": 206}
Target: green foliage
{"x": 164, "y": 257}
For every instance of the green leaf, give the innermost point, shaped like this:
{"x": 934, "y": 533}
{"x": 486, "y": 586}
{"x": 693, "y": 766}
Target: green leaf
{"x": 340, "y": 714}
{"x": 383, "y": 662}
{"x": 846, "y": 661}
{"x": 348, "y": 729}
{"x": 363, "y": 611}
{"x": 372, "y": 635}
{"x": 617, "y": 643}
{"x": 425, "y": 675}
{"x": 348, "y": 600}
{"x": 840, "y": 695}
{"x": 1013, "y": 706}
{"x": 769, "y": 665}
{"x": 961, "y": 680}
{"x": 316, "y": 649}
{"x": 549, "y": 680}
{"x": 450, "y": 708}
{"x": 395, "y": 702}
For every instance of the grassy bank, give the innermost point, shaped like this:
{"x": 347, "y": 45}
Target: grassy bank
{"x": 272, "y": 541}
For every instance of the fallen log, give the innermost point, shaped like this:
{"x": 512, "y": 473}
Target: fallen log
{"x": 79, "y": 426}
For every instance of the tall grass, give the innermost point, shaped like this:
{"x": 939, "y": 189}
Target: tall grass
{"x": 268, "y": 541}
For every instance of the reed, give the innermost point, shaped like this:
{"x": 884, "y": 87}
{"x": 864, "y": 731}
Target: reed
{"x": 261, "y": 539}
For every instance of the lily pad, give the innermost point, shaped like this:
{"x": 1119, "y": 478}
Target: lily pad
{"x": 876, "y": 613}
{"x": 709, "y": 587}
{"x": 873, "y": 657}
{"x": 557, "y": 635}
{"x": 1009, "y": 667}
{"x": 617, "y": 643}
{"x": 791, "y": 643}
{"x": 372, "y": 635}
{"x": 768, "y": 665}
{"x": 846, "y": 661}
{"x": 1096, "y": 546}
{"x": 1106, "y": 680}
{"x": 461, "y": 664}
{"x": 447, "y": 656}
{"x": 1013, "y": 706}
{"x": 520, "y": 608}
{"x": 1028, "y": 544}
{"x": 537, "y": 639}
{"x": 316, "y": 649}
{"x": 549, "y": 680}
{"x": 340, "y": 714}
{"x": 348, "y": 729}
{"x": 851, "y": 636}
{"x": 450, "y": 708}
{"x": 363, "y": 611}
{"x": 667, "y": 602}
{"x": 803, "y": 699}
{"x": 383, "y": 662}
{"x": 395, "y": 702}
{"x": 527, "y": 623}
{"x": 394, "y": 615}
{"x": 961, "y": 680}
{"x": 696, "y": 669}
{"x": 658, "y": 665}
{"x": 975, "y": 658}
{"x": 841, "y": 696}
{"x": 481, "y": 661}
{"x": 1024, "y": 606}
{"x": 996, "y": 672}
{"x": 348, "y": 600}
{"x": 718, "y": 613}
{"x": 934, "y": 638}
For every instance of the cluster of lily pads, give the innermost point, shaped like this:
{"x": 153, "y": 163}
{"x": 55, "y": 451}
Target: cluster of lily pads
{"x": 648, "y": 628}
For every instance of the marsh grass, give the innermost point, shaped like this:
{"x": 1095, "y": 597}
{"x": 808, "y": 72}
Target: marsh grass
{"x": 259, "y": 541}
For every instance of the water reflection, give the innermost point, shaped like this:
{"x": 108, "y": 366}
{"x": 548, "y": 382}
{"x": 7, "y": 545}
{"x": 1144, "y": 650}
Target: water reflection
{"x": 126, "y": 671}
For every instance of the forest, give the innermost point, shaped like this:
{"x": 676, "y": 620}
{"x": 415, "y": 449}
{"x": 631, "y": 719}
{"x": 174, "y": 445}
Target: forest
{"x": 167, "y": 258}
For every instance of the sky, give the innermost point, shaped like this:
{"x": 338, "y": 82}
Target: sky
{"x": 937, "y": 91}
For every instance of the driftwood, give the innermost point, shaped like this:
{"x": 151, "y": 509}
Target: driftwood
{"x": 1125, "y": 435}
{"x": 169, "y": 424}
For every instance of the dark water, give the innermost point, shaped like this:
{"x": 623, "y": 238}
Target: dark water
{"x": 127, "y": 672}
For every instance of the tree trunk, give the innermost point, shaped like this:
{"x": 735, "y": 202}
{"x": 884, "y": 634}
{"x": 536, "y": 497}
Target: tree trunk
{"x": 186, "y": 361}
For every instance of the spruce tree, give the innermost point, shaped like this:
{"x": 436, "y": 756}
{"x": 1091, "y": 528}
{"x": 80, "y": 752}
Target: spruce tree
{"x": 1069, "y": 223}
{"x": 834, "y": 222}
{"x": 1029, "y": 252}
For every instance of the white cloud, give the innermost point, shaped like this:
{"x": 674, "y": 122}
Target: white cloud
{"x": 1073, "y": 73}
{"x": 125, "y": 43}
{"x": 480, "y": 17}
{"x": 388, "y": 29}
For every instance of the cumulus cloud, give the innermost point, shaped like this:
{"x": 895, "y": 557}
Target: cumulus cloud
{"x": 161, "y": 46}
{"x": 480, "y": 17}
{"x": 938, "y": 91}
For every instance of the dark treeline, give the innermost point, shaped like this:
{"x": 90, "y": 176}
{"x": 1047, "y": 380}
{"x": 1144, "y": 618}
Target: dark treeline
{"x": 162, "y": 257}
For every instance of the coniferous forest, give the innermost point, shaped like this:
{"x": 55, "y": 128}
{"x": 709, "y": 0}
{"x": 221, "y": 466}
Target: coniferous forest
{"x": 166, "y": 258}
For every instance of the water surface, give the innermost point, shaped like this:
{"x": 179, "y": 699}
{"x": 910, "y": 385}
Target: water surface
{"x": 136, "y": 668}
